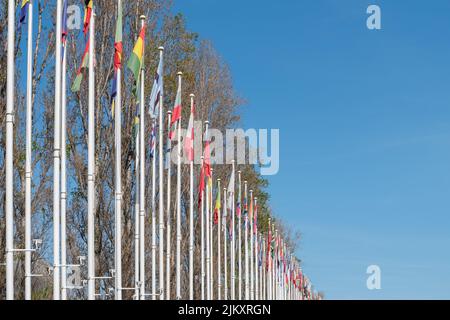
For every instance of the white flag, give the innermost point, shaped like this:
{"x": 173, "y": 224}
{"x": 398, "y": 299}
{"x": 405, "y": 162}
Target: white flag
{"x": 230, "y": 190}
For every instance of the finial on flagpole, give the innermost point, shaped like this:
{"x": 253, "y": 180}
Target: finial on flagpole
{"x": 218, "y": 180}
{"x": 192, "y": 95}
{"x": 142, "y": 17}
{"x": 161, "y": 48}
{"x": 179, "y": 73}
{"x": 169, "y": 112}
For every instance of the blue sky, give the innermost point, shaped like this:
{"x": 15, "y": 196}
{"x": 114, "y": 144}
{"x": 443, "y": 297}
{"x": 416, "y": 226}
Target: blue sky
{"x": 364, "y": 121}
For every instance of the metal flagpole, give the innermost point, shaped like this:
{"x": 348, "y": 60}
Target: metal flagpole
{"x": 142, "y": 176}
{"x": 136, "y": 214}
{"x": 191, "y": 219}
{"x": 57, "y": 158}
{"x": 240, "y": 238}
{"x": 202, "y": 240}
{"x": 225, "y": 256}
{"x": 247, "y": 283}
{"x": 9, "y": 191}
{"x": 263, "y": 269}
{"x": 211, "y": 237}
{"x": 161, "y": 184}
{"x": 154, "y": 215}
{"x": 252, "y": 292}
{"x": 169, "y": 217}
{"x": 28, "y": 170}
{"x": 208, "y": 253}
{"x": 91, "y": 161}
{"x": 178, "y": 266}
{"x": 63, "y": 180}
{"x": 255, "y": 236}
{"x": 118, "y": 154}
{"x": 233, "y": 240}
{"x": 219, "y": 258}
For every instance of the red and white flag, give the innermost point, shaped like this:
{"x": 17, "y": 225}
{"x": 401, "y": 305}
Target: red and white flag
{"x": 189, "y": 139}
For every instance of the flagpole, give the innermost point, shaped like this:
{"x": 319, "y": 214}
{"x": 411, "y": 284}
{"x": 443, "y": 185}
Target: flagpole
{"x": 63, "y": 180}
{"x": 178, "y": 266}
{"x": 118, "y": 206}
{"x": 169, "y": 217}
{"x": 91, "y": 162}
{"x": 142, "y": 187}
{"x": 252, "y": 292}
{"x": 191, "y": 219}
{"x": 136, "y": 214}
{"x": 211, "y": 237}
{"x": 9, "y": 189}
{"x": 255, "y": 235}
{"x": 225, "y": 256}
{"x": 154, "y": 214}
{"x": 202, "y": 235}
{"x": 247, "y": 283}
{"x": 233, "y": 241}
{"x": 28, "y": 170}
{"x": 219, "y": 280}
{"x": 208, "y": 253}
{"x": 240, "y": 237}
{"x": 161, "y": 185}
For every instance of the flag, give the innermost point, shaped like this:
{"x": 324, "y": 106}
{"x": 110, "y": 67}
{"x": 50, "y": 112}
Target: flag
{"x": 84, "y": 64}
{"x": 255, "y": 219}
{"x": 201, "y": 187}
{"x": 230, "y": 189}
{"x": 176, "y": 114}
{"x": 88, "y": 4}
{"x": 153, "y": 140}
{"x": 250, "y": 210}
{"x": 64, "y": 29}
{"x": 118, "y": 50}
{"x": 157, "y": 91}
{"x": 207, "y": 154}
{"x": 23, "y": 11}
{"x": 189, "y": 139}
{"x": 217, "y": 207}
{"x": 135, "y": 61}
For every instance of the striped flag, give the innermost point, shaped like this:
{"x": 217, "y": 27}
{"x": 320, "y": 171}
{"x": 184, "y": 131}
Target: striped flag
{"x": 135, "y": 61}
{"x": 88, "y": 4}
{"x": 23, "y": 11}
{"x": 157, "y": 91}
{"x": 118, "y": 50}
{"x": 84, "y": 64}
{"x": 189, "y": 139}
{"x": 217, "y": 207}
{"x": 153, "y": 140}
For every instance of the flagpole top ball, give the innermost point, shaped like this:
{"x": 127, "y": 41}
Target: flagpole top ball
{"x": 179, "y": 73}
{"x": 161, "y": 48}
{"x": 202, "y": 157}
{"x": 233, "y": 161}
{"x": 142, "y": 17}
{"x": 192, "y": 95}
{"x": 245, "y": 182}
{"x": 239, "y": 171}
{"x": 251, "y": 191}
{"x": 218, "y": 180}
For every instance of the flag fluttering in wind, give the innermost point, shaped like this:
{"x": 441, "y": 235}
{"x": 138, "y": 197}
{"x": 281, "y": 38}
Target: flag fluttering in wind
{"x": 153, "y": 140}
{"x": 217, "y": 207}
{"x": 255, "y": 219}
{"x": 176, "y": 114}
{"x": 157, "y": 89}
{"x": 64, "y": 31}
{"x": 84, "y": 65}
{"x": 201, "y": 185}
{"x": 135, "y": 61}
{"x": 88, "y": 4}
{"x": 118, "y": 50}
{"x": 189, "y": 139}
{"x": 23, "y": 11}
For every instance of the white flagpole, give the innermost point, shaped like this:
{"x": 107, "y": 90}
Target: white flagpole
{"x": 178, "y": 267}
{"x": 9, "y": 189}
{"x": 252, "y": 292}
{"x": 255, "y": 235}
{"x": 118, "y": 213}
{"x": 219, "y": 258}
{"x": 202, "y": 240}
{"x": 169, "y": 217}
{"x": 57, "y": 158}
{"x": 263, "y": 269}
{"x": 211, "y": 237}
{"x": 225, "y": 256}
{"x": 208, "y": 242}
{"x": 136, "y": 217}
{"x": 63, "y": 180}
{"x": 161, "y": 185}
{"x": 191, "y": 220}
{"x": 247, "y": 283}
{"x": 91, "y": 161}
{"x": 142, "y": 187}
{"x": 240, "y": 239}
{"x": 28, "y": 170}
{"x": 154, "y": 217}
{"x": 233, "y": 242}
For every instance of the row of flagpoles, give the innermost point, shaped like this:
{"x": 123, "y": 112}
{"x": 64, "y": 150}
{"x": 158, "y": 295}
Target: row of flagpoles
{"x": 250, "y": 264}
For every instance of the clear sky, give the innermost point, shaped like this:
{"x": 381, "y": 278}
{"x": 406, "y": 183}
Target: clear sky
{"x": 364, "y": 119}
